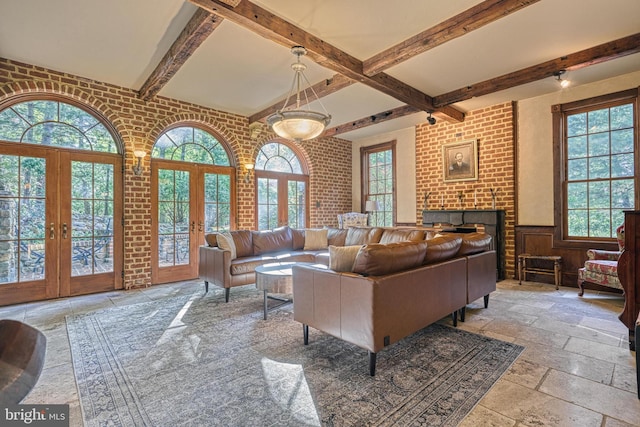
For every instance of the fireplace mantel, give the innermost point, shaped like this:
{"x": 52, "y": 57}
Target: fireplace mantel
{"x": 491, "y": 220}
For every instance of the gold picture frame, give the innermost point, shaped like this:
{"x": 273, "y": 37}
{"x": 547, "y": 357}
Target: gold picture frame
{"x": 460, "y": 161}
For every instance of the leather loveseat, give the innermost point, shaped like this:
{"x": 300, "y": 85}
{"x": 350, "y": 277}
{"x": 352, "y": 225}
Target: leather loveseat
{"x": 394, "y": 290}
{"x": 229, "y": 267}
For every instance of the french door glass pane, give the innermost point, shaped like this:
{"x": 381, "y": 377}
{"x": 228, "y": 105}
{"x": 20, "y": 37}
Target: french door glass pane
{"x": 173, "y": 217}
{"x": 217, "y": 202}
{"x": 92, "y": 203}
{"x": 296, "y": 204}
{"x": 267, "y": 203}
{"x": 22, "y": 218}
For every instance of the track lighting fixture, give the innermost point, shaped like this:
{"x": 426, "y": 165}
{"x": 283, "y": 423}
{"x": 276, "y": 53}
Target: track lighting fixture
{"x": 431, "y": 119}
{"x": 563, "y": 82}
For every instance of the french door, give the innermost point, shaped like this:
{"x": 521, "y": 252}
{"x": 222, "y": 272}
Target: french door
{"x": 281, "y": 200}
{"x": 189, "y": 200}
{"x": 58, "y": 233}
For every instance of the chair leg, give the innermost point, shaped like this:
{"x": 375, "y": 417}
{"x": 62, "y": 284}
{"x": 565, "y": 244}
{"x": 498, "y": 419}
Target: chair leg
{"x": 372, "y": 364}
{"x": 486, "y": 301}
{"x": 206, "y": 286}
{"x": 581, "y": 287}
{"x": 226, "y": 294}
{"x": 305, "y": 333}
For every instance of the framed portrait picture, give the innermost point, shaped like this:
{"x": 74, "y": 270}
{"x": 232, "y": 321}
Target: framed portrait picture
{"x": 460, "y": 161}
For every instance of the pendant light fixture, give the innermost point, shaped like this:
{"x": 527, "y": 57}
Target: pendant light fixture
{"x": 293, "y": 122}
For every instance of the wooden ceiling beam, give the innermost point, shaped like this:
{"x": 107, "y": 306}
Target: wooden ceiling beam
{"x": 584, "y": 58}
{"x": 463, "y": 23}
{"x": 324, "y": 88}
{"x": 405, "y": 110}
{"x": 199, "y": 27}
{"x": 276, "y": 29}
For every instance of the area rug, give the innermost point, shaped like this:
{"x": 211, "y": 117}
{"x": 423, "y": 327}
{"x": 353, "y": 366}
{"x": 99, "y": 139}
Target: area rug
{"x": 196, "y": 360}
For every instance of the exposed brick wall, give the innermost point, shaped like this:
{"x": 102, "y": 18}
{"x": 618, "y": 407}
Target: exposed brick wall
{"x": 493, "y": 128}
{"x": 139, "y": 123}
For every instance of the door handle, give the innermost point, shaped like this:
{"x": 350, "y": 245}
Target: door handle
{"x": 200, "y": 225}
{"x": 64, "y": 230}
{"x": 52, "y": 231}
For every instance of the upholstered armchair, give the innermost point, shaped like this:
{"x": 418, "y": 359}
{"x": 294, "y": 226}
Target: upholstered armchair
{"x": 601, "y": 267}
{"x": 352, "y": 219}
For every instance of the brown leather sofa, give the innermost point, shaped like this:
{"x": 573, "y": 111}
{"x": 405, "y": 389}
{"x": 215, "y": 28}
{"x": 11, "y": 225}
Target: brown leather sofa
{"x": 253, "y": 248}
{"x": 385, "y": 299}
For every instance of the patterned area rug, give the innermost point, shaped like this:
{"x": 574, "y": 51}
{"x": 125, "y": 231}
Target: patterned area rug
{"x": 195, "y": 360}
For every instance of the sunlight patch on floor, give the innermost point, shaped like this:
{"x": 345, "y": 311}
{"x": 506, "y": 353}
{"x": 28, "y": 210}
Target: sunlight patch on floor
{"x": 289, "y": 389}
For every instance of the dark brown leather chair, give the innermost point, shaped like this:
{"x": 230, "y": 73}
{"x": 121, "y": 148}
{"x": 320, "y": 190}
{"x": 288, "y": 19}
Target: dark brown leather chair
{"x": 22, "y": 351}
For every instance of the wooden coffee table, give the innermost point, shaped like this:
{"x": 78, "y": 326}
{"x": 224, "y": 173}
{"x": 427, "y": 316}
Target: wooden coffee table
{"x": 275, "y": 278}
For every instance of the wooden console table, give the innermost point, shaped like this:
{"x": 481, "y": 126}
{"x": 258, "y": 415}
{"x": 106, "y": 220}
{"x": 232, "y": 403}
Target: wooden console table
{"x": 555, "y": 271}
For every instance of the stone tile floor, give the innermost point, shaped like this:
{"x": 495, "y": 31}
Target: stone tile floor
{"x": 577, "y": 369}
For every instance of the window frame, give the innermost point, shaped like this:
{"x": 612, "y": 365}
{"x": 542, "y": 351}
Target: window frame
{"x": 365, "y": 152}
{"x": 560, "y": 159}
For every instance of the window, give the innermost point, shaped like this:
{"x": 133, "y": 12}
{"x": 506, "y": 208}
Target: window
{"x": 57, "y": 124}
{"x": 282, "y": 187}
{"x": 598, "y": 140}
{"x": 379, "y": 182}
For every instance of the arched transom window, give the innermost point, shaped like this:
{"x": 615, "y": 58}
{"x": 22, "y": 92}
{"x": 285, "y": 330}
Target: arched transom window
{"x": 278, "y": 157}
{"x": 55, "y": 123}
{"x": 190, "y": 144}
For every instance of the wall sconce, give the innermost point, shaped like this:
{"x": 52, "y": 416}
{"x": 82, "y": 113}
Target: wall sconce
{"x": 431, "y": 119}
{"x": 137, "y": 168}
{"x": 563, "y": 82}
{"x": 248, "y": 168}
{"x": 255, "y": 129}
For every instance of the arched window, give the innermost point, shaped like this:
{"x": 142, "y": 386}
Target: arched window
{"x": 192, "y": 196}
{"x": 55, "y": 123}
{"x": 190, "y": 144}
{"x": 278, "y": 157}
{"x": 282, "y": 187}
{"x": 61, "y": 176}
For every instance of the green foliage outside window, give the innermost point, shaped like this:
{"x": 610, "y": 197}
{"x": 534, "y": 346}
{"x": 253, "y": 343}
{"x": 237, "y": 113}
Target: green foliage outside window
{"x": 600, "y": 170}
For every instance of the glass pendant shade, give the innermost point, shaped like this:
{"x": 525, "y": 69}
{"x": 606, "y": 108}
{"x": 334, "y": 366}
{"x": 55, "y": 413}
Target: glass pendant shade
{"x": 295, "y": 123}
{"x": 298, "y": 125}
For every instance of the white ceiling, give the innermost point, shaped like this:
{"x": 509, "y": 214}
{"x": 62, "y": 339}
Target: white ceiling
{"x": 234, "y": 70}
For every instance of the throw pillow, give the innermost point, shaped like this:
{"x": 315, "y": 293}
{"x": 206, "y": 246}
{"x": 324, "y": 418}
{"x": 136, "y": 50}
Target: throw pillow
{"x": 315, "y": 239}
{"x": 341, "y": 258}
{"x": 226, "y": 243}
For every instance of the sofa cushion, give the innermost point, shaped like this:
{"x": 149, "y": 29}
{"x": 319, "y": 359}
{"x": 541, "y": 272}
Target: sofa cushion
{"x": 243, "y": 241}
{"x": 473, "y": 243}
{"x": 211, "y": 239}
{"x": 442, "y": 248}
{"x": 269, "y": 241}
{"x": 602, "y": 266}
{"x": 401, "y": 235}
{"x": 363, "y": 236}
{"x": 298, "y": 239}
{"x": 341, "y": 258}
{"x": 376, "y": 259}
{"x": 248, "y": 264}
{"x": 225, "y": 242}
{"x": 315, "y": 239}
{"x": 336, "y": 236}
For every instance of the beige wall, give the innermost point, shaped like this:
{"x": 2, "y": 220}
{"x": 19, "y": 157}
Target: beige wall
{"x": 535, "y": 149}
{"x": 405, "y": 171}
